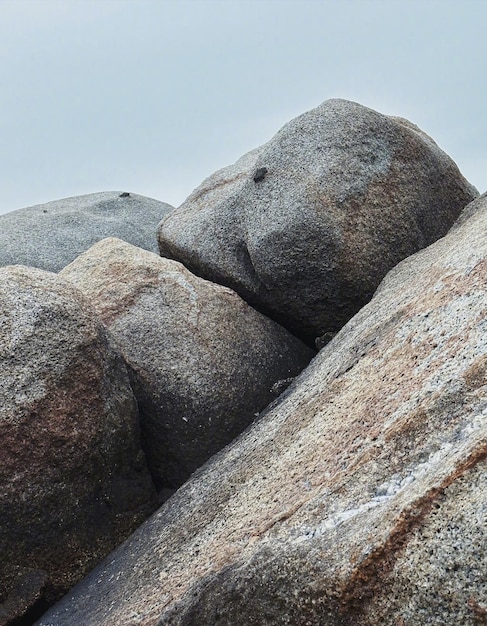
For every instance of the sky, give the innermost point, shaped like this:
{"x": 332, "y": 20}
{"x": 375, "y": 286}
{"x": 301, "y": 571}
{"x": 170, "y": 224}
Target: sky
{"x": 153, "y": 96}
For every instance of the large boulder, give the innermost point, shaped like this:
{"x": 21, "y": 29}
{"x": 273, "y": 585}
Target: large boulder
{"x": 51, "y": 235}
{"x": 358, "y": 499}
{"x": 73, "y": 478}
{"x": 306, "y": 226}
{"x": 203, "y": 362}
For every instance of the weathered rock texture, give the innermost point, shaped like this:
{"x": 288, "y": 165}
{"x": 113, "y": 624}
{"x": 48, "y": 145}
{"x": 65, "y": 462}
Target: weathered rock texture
{"x": 358, "y": 499}
{"x": 73, "y": 479}
{"x": 306, "y": 226}
{"x": 203, "y": 362}
{"x": 51, "y": 235}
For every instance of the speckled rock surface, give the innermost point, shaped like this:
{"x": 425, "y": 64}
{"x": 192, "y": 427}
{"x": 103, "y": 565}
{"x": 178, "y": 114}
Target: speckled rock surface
{"x": 51, "y": 235}
{"x": 73, "y": 479}
{"x": 359, "y": 498}
{"x": 306, "y": 226}
{"x": 203, "y": 362}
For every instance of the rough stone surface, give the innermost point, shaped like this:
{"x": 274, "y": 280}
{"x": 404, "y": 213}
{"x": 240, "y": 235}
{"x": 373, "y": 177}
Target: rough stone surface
{"x": 306, "y": 226}
{"x": 203, "y": 362}
{"x": 73, "y": 479}
{"x": 359, "y": 498}
{"x": 51, "y": 235}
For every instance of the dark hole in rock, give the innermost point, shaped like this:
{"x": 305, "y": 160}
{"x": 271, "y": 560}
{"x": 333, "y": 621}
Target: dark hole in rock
{"x": 260, "y": 174}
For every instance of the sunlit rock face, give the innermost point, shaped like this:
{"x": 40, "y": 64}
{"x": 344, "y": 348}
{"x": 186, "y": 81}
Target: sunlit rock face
{"x": 306, "y": 226}
{"x": 359, "y": 498}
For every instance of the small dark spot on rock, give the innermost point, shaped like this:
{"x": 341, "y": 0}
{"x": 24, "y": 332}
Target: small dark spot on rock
{"x": 125, "y": 194}
{"x": 44, "y": 210}
{"x": 260, "y": 174}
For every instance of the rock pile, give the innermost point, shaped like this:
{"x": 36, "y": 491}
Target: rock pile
{"x": 202, "y": 361}
{"x": 358, "y": 498}
{"x": 351, "y": 489}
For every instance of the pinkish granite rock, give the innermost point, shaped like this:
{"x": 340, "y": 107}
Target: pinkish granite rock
{"x": 73, "y": 479}
{"x": 203, "y": 363}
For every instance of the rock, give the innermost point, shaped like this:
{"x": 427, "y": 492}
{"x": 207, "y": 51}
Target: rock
{"x": 359, "y": 498}
{"x": 203, "y": 362}
{"x": 49, "y": 236}
{"x": 305, "y": 227}
{"x": 73, "y": 478}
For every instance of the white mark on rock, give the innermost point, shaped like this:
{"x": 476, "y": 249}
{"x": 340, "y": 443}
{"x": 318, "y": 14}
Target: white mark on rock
{"x": 388, "y": 490}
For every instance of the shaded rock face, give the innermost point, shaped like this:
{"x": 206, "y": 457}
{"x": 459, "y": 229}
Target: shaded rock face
{"x": 306, "y": 226}
{"x": 359, "y": 498}
{"x": 203, "y": 362}
{"x": 51, "y": 235}
{"x": 73, "y": 479}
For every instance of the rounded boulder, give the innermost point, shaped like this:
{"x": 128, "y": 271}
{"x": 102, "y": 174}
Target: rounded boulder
{"x": 203, "y": 362}
{"x": 51, "y": 235}
{"x": 73, "y": 478}
{"x": 305, "y": 227}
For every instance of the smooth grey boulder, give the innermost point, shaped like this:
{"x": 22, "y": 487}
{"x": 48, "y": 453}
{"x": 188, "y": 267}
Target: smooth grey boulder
{"x": 51, "y": 235}
{"x": 203, "y": 362}
{"x": 306, "y": 226}
{"x": 73, "y": 479}
{"x": 359, "y": 498}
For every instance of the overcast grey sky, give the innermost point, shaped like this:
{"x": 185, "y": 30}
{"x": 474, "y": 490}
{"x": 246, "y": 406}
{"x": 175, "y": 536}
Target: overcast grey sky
{"x": 153, "y": 96}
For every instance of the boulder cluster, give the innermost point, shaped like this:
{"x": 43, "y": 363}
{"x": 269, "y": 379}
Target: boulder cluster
{"x": 265, "y": 407}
